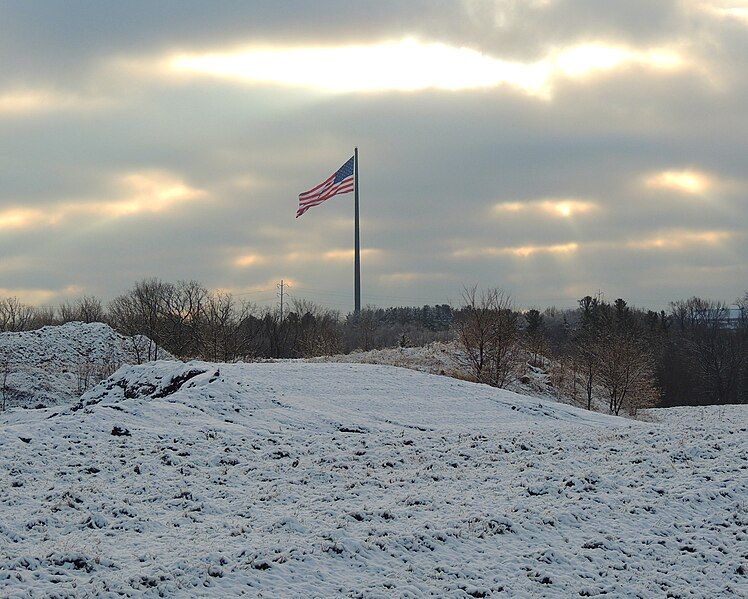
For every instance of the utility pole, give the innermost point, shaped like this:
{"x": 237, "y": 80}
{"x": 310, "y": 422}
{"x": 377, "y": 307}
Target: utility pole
{"x": 357, "y": 244}
{"x": 281, "y": 287}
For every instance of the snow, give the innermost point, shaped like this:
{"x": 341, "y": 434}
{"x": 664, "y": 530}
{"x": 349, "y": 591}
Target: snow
{"x": 449, "y": 359}
{"x": 301, "y": 480}
{"x": 434, "y": 358}
{"x": 55, "y": 364}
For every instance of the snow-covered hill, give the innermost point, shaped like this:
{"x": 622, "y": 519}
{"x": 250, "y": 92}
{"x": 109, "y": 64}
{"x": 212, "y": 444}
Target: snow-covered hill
{"x": 55, "y": 364}
{"x": 448, "y": 359}
{"x": 318, "y": 480}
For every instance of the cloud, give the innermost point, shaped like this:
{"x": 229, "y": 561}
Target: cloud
{"x": 680, "y": 240}
{"x": 586, "y": 59}
{"x": 246, "y": 260}
{"x": 150, "y": 191}
{"x": 734, "y": 9}
{"x": 291, "y": 256}
{"x": 19, "y": 218}
{"x": 26, "y": 102}
{"x": 13, "y": 264}
{"x": 684, "y": 181}
{"x": 138, "y": 193}
{"x": 397, "y": 278}
{"x": 196, "y": 176}
{"x": 524, "y": 251}
{"x": 19, "y": 102}
{"x": 347, "y": 255}
{"x": 410, "y": 65}
{"x": 41, "y": 296}
{"x": 665, "y": 240}
{"x": 558, "y": 208}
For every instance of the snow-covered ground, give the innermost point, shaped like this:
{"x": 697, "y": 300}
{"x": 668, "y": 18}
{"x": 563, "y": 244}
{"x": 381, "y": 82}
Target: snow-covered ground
{"x": 55, "y": 364}
{"x": 318, "y": 480}
{"x": 448, "y": 359}
{"x": 435, "y": 358}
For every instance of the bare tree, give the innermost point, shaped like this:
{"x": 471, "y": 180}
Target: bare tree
{"x": 535, "y": 336}
{"x": 474, "y": 328}
{"x": 43, "y": 316}
{"x": 626, "y": 371}
{"x": 279, "y": 334}
{"x": 183, "y": 311}
{"x": 586, "y": 341}
{"x": 221, "y": 328}
{"x": 712, "y": 347}
{"x": 364, "y": 327}
{"x": 85, "y": 309}
{"x": 15, "y": 316}
{"x": 320, "y": 333}
{"x": 140, "y": 312}
{"x": 487, "y": 330}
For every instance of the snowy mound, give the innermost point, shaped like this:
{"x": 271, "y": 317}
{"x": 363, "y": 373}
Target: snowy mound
{"x": 55, "y": 364}
{"x": 434, "y": 358}
{"x": 301, "y": 480}
{"x": 446, "y": 359}
{"x": 321, "y": 395}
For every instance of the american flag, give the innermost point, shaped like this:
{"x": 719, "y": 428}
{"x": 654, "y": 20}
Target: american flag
{"x": 340, "y": 182}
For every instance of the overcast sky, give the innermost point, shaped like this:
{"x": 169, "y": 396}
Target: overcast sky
{"x": 553, "y": 148}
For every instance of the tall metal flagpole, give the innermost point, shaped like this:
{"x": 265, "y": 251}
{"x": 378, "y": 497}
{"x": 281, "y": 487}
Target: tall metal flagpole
{"x": 357, "y": 253}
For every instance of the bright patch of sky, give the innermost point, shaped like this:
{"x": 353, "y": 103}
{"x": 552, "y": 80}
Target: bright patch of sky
{"x": 409, "y": 65}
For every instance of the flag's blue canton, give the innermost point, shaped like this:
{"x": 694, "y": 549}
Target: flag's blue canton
{"x": 344, "y": 171}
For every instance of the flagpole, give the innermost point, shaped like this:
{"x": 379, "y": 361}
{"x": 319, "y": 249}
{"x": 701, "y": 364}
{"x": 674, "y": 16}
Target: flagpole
{"x": 357, "y": 248}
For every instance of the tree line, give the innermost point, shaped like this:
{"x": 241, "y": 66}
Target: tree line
{"x": 613, "y": 354}
{"x": 188, "y": 320}
{"x": 603, "y": 355}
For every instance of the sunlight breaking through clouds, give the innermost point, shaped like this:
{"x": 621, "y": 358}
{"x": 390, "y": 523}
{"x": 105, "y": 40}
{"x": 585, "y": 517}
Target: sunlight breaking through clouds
{"x": 524, "y": 251}
{"x": 41, "y": 296}
{"x": 151, "y": 191}
{"x": 144, "y": 192}
{"x": 666, "y": 240}
{"x": 304, "y": 256}
{"x": 685, "y": 181}
{"x": 18, "y": 218}
{"x": 726, "y": 9}
{"x": 346, "y": 255}
{"x": 580, "y": 61}
{"x": 680, "y": 239}
{"x": 24, "y": 102}
{"x": 411, "y": 65}
{"x": 247, "y": 260}
{"x": 559, "y": 208}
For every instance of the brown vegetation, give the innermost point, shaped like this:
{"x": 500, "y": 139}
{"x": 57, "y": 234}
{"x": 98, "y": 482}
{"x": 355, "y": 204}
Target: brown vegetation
{"x": 627, "y": 358}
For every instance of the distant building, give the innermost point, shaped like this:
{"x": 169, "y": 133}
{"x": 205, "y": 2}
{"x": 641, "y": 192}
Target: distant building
{"x": 728, "y": 317}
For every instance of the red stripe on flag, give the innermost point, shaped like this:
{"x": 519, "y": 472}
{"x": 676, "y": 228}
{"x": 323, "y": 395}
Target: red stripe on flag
{"x": 313, "y": 189}
{"x": 327, "y": 196}
{"x": 320, "y": 191}
{"x": 326, "y": 190}
{"x": 329, "y": 192}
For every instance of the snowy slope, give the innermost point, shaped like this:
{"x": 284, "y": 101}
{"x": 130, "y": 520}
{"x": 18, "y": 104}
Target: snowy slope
{"x": 55, "y": 364}
{"x": 434, "y": 358}
{"x": 319, "y": 480}
{"x": 448, "y": 359}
